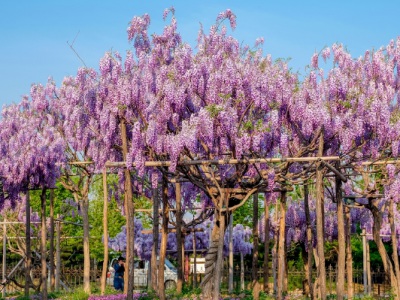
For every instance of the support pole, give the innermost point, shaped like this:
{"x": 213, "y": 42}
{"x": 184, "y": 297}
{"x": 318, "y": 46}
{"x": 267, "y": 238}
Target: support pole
{"x": 4, "y": 269}
{"x": 230, "y": 288}
{"x": 51, "y": 249}
{"x": 321, "y": 271}
{"x": 266, "y": 244}
{"x": 369, "y": 280}
{"x": 43, "y": 249}
{"x": 241, "y": 272}
{"x": 58, "y": 254}
{"x": 154, "y": 250}
{"x": 179, "y": 242}
{"x": 255, "y": 284}
{"x": 194, "y": 259}
{"x": 365, "y": 275}
{"x": 27, "y": 245}
{"x": 105, "y": 234}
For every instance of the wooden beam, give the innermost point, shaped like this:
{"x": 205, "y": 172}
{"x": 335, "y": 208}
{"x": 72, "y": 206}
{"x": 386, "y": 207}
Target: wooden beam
{"x": 167, "y": 163}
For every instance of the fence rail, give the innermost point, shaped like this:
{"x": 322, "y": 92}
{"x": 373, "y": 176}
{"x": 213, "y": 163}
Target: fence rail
{"x": 73, "y": 277}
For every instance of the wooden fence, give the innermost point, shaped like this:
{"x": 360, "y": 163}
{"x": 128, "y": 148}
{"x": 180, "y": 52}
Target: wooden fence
{"x": 73, "y": 277}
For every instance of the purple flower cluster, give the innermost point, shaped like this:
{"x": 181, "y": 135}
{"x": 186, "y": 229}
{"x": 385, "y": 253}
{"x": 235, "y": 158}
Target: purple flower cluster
{"x": 136, "y": 296}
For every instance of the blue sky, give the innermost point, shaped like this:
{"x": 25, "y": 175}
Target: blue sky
{"x": 34, "y": 33}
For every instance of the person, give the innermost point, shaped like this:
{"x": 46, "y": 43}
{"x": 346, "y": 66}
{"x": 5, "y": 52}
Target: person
{"x": 119, "y": 268}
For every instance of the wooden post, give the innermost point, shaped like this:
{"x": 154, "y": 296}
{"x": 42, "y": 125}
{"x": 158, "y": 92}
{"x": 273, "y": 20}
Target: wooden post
{"x": 27, "y": 245}
{"x": 105, "y": 234}
{"x": 179, "y": 243}
{"x": 281, "y": 246}
{"x": 266, "y": 247}
{"x": 51, "y": 249}
{"x": 341, "y": 261}
{"x": 43, "y": 252}
{"x": 241, "y": 272}
{"x": 309, "y": 243}
{"x": 129, "y": 278}
{"x": 365, "y": 276}
{"x": 194, "y": 258}
{"x": 255, "y": 284}
{"x": 349, "y": 255}
{"x": 164, "y": 237}
{"x": 4, "y": 269}
{"x": 369, "y": 270}
{"x": 321, "y": 272}
{"x": 154, "y": 250}
{"x": 230, "y": 286}
{"x": 58, "y": 254}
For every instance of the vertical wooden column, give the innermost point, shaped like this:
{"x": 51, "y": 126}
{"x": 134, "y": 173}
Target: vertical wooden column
{"x": 105, "y": 234}
{"x": 349, "y": 254}
{"x": 281, "y": 246}
{"x": 341, "y": 261}
{"x": 164, "y": 237}
{"x": 365, "y": 275}
{"x": 255, "y": 285}
{"x": 27, "y": 244}
{"x": 241, "y": 272}
{"x": 369, "y": 280}
{"x": 266, "y": 247}
{"x": 230, "y": 286}
{"x": 43, "y": 250}
{"x": 194, "y": 258}
{"x": 4, "y": 269}
{"x": 321, "y": 272}
{"x": 58, "y": 254}
{"x": 309, "y": 243}
{"x": 129, "y": 277}
{"x": 51, "y": 246}
{"x": 154, "y": 250}
{"x": 179, "y": 243}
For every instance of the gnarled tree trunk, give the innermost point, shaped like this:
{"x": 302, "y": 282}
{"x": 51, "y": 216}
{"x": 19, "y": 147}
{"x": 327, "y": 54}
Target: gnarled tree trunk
{"x": 387, "y": 263}
{"x": 393, "y": 234}
{"x": 210, "y": 283}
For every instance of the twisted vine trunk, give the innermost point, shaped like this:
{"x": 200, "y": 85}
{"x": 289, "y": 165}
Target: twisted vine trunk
{"x": 212, "y": 277}
{"x": 387, "y": 263}
{"x": 393, "y": 234}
